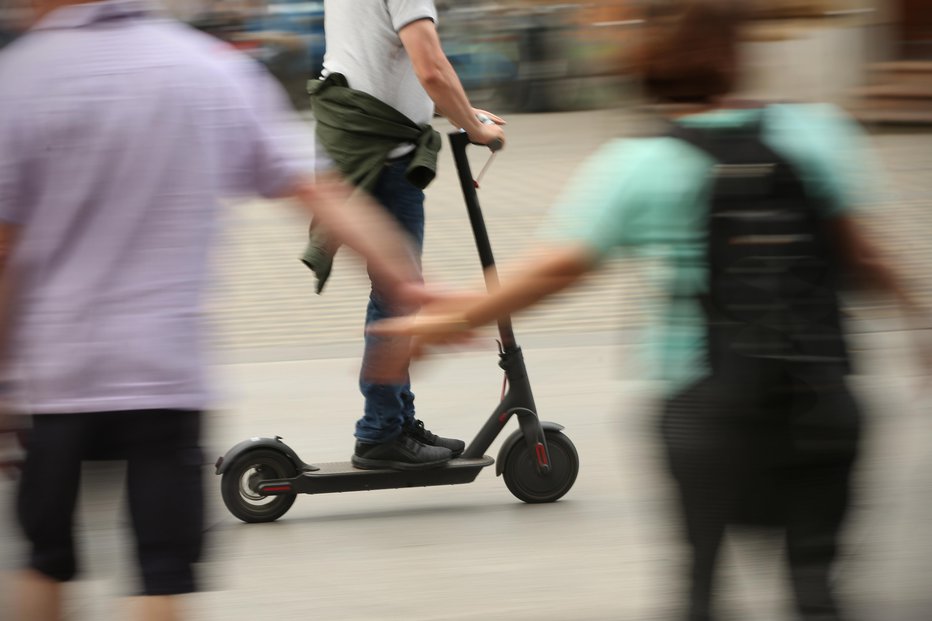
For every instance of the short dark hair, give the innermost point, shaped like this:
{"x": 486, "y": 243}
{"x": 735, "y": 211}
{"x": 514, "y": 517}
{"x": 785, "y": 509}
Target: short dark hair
{"x": 690, "y": 51}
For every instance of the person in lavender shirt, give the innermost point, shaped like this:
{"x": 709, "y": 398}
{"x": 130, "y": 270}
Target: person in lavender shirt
{"x": 119, "y": 132}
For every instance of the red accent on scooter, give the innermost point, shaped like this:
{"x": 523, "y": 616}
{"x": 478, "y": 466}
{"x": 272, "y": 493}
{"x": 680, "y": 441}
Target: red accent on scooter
{"x": 541, "y": 454}
{"x": 277, "y": 488}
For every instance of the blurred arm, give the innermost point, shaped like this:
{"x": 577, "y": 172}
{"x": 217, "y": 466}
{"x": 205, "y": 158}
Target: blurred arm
{"x": 847, "y": 176}
{"x": 588, "y": 223}
{"x": 354, "y": 220}
{"x": 871, "y": 268}
{"x": 436, "y": 74}
{"x": 263, "y": 156}
{"x": 446, "y": 319}
{"x": 550, "y": 271}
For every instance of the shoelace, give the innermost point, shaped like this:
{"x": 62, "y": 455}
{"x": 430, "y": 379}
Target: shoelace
{"x": 419, "y": 429}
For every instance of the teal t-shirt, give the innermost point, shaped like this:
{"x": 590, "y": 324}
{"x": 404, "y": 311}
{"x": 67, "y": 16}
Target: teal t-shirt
{"x": 651, "y": 194}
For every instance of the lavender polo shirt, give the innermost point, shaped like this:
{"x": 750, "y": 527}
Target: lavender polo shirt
{"x": 119, "y": 132}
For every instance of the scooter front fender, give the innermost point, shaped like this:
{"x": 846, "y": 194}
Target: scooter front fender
{"x": 275, "y": 444}
{"x": 513, "y": 439}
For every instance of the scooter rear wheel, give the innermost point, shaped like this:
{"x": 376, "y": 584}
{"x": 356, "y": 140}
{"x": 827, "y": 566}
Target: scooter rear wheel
{"x": 527, "y": 484}
{"x": 238, "y": 486}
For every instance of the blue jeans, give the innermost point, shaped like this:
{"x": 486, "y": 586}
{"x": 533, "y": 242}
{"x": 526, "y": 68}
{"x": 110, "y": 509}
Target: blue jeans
{"x": 389, "y": 407}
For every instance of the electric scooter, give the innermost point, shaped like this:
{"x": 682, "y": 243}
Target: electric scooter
{"x": 261, "y": 477}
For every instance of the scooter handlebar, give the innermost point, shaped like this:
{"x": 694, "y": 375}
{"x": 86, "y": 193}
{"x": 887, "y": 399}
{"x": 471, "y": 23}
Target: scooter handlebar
{"x": 496, "y": 145}
{"x": 462, "y": 139}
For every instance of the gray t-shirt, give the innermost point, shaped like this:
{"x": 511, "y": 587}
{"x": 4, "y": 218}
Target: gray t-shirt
{"x": 363, "y": 44}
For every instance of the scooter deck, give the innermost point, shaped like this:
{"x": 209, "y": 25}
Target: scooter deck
{"x": 344, "y": 477}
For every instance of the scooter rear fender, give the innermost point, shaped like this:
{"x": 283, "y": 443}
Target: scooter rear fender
{"x": 246, "y": 446}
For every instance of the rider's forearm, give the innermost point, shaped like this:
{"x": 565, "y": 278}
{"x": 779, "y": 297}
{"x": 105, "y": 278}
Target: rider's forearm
{"x": 446, "y": 90}
{"x": 436, "y": 74}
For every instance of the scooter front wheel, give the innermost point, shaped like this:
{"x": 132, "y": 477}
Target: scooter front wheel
{"x": 238, "y": 486}
{"x": 527, "y": 484}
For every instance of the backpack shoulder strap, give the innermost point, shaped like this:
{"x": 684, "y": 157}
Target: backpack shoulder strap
{"x": 744, "y": 162}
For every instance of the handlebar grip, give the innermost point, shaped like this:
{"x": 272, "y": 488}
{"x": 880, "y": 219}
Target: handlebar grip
{"x": 495, "y": 145}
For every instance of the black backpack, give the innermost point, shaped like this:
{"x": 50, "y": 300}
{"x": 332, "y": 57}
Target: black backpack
{"x": 772, "y": 299}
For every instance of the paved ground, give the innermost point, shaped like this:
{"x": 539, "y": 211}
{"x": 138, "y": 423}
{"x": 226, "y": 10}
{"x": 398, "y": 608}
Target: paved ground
{"x": 608, "y": 551}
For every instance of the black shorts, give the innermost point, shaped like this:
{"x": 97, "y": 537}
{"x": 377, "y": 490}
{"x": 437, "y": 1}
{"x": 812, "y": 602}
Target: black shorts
{"x": 164, "y": 490}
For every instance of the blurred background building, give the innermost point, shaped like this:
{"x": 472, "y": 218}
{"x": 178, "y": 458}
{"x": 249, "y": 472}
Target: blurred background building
{"x": 874, "y": 56}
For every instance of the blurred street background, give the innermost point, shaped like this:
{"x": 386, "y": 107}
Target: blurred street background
{"x": 873, "y": 56}
{"x": 286, "y": 359}
{"x": 546, "y": 55}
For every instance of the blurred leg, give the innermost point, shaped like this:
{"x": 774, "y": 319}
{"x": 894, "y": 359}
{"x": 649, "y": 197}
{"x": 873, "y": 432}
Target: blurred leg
{"x": 818, "y": 504}
{"x": 38, "y": 597}
{"x": 389, "y": 406}
{"x": 384, "y": 409}
{"x": 48, "y": 491}
{"x": 166, "y": 499}
{"x": 826, "y": 431}
{"x": 704, "y": 452}
{"x": 705, "y": 530}
{"x": 157, "y": 608}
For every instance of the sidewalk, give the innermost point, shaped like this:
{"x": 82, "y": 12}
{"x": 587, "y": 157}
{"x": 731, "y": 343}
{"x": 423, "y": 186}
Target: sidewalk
{"x": 608, "y": 551}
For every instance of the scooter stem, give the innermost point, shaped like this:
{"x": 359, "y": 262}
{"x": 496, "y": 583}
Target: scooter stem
{"x": 459, "y": 141}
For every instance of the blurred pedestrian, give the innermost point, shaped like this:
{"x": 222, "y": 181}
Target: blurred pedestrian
{"x": 384, "y": 74}
{"x": 119, "y": 132}
{"x": 751, "y": 209}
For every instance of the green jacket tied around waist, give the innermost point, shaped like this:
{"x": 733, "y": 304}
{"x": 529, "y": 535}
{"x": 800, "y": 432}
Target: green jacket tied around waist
{"x": 359, "y": 132}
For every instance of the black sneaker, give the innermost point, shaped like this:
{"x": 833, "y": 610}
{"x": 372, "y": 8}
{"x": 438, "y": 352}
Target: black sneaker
{"x": 418, "y": 432}
{"x": 402, "y": 453}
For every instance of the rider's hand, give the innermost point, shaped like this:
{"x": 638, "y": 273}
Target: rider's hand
{"x": 487, "y": 134}
{"x": 480, "y": 114}
{"x": 488, "y": 115}
{"x": 489, "y": 129}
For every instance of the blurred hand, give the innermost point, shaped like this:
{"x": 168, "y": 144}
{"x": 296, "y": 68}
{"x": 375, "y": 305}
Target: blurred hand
{"x": 425, "y": 318}
{"x": 486, "y": 132}
{"x": 440, "y": 323}
{"x": 425, "y": 331}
